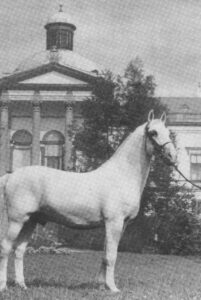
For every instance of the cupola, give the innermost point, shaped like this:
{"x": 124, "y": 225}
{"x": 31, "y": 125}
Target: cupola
{"x": 60, "y": 31}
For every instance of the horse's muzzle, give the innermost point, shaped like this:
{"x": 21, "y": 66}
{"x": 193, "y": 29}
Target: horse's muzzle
{"x": 169, "y": 154}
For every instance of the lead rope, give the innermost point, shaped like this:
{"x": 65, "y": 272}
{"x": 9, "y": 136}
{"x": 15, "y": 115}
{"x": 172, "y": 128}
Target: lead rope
{"x": 188, "y": 180}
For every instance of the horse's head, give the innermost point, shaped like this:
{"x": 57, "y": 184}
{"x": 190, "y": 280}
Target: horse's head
{"x": 158, "y": 139}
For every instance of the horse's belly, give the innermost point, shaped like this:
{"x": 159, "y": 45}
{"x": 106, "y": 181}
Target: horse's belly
{"x": 77, "y": 202}
{"x": 71, "y": 219}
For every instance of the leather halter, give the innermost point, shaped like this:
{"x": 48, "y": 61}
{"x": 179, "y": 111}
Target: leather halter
{"x": 158, "y": 148}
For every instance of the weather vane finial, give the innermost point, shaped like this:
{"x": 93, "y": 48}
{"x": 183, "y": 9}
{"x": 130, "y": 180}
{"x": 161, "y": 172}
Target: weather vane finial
{"x": 60, "y": 7}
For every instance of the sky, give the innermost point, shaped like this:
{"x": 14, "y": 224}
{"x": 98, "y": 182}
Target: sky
{"x": 165, "y": 34}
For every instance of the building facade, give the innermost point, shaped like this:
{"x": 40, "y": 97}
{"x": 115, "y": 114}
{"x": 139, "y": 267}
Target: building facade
{"x": 40, "y": 101}
{"x": 184, "y": 119}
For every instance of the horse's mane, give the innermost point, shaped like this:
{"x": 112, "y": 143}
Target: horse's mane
{"x": 134, "y": 136}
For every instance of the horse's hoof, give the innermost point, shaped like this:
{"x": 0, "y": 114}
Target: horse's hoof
{"x": 22, "y": 285}
{"x": 115, "y": 291}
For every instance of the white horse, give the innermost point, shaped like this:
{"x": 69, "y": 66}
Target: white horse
{"x": 109, "y": 195}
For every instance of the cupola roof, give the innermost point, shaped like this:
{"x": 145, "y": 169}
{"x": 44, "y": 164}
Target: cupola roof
{"x": 60, "y": 17}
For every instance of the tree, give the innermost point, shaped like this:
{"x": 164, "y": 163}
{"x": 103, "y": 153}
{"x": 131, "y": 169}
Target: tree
{"x": 139, "y": 97}
{"x": 100, "y": 113}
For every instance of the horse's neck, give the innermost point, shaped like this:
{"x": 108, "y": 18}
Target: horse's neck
{"x": 131, "y": 157}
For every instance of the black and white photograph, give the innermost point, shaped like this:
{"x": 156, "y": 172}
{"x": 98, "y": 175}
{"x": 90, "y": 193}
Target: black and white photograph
{"x": 100, "y": 150}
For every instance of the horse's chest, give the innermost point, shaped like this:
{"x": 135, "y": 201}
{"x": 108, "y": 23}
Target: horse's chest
{"x": 129, "y": 192}
{"x": 130, "y": 200}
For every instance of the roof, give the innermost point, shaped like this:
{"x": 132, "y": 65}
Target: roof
{"x": 191, "y": 105}
{"x": 66, "y": 58}
{"x": 60, "y": 17}
{"x": 183, "y": 111}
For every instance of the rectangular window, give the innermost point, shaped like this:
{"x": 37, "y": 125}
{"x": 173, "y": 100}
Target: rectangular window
{"x": 195, "y": 161}
{"x": 51, "y": 39}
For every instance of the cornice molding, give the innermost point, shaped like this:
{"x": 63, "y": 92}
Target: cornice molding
{"x": 13, "y": 80}
{"x": 186, "y": 124}
{"x": 46, "y": 87}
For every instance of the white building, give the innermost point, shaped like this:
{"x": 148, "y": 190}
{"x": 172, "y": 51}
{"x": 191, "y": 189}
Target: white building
{"x": 40, "y": 101}
{"x": 185, "y": 120}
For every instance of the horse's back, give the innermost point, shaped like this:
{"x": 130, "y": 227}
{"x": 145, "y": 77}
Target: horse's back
{"x": 40, "y": 180}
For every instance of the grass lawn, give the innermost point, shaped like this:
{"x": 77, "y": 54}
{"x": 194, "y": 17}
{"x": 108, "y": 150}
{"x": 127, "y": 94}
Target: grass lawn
{"x": 139, "y": 276}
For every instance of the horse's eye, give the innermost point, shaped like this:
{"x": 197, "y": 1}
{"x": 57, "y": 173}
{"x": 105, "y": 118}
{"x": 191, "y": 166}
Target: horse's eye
{"x": 153, "y": 133}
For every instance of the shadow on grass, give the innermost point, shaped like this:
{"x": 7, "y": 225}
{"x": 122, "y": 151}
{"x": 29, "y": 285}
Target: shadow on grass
{"x": 85, "y": 286}
{"x": 58, "y": 284}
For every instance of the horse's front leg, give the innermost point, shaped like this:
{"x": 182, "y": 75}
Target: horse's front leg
{"x": 113, "y": 235}
{"x": 6, "y": 247}
{"x": 20, "y": 248}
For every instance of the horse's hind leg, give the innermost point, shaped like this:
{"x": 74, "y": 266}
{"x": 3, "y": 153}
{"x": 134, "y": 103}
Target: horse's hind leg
{"x": 14, "y": 229}
{"x": 102, "y": 272}
{"x": 20, "y": 248}
{"x": 113, "y": 235}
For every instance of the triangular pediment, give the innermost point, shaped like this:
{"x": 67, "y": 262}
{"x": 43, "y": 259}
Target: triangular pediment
{"x": 53, "y": 77}
{"x": 50, "y": 75}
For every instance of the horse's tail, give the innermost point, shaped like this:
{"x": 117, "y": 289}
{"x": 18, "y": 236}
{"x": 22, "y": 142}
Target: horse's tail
{"x": 3, "y": 206}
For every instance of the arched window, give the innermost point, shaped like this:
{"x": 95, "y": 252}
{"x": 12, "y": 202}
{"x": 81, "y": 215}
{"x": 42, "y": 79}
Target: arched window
{"x": 21, "y": 149}
{"x": 52, "y": 150}
{"x": 22, "y": 138}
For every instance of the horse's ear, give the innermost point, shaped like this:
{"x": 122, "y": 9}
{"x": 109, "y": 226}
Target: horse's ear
{"x": 150, "y": 115}
{"x": 163, "y": 117}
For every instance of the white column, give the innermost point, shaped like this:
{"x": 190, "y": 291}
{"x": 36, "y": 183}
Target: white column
{"x": 35, "y": 154}
{"x": 4, "y": 134}
{"x": 68, "y": 135}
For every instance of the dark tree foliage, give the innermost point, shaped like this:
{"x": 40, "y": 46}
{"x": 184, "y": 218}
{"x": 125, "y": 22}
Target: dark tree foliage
{"x": 100, "y": 113}
{"x": 139, "y": 98}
